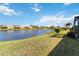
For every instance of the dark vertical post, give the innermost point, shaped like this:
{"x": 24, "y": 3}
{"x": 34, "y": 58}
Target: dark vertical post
{"x": 75, "y": 33}
{"x": 76, "y": 27}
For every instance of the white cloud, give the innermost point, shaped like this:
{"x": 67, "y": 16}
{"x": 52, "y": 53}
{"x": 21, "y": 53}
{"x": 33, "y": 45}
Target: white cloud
{"x": 67, "y": 4}
{"x": 56, "y": 20}
{"x": 6, "y": 3}
{"x": 51, "y": 20}
{"x": 36, "y": 7}
{"x": 8, "y": 11}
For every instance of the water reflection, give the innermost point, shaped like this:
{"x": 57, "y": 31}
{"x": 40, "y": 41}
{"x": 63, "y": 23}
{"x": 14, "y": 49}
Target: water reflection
{"x": 13, "y": 35}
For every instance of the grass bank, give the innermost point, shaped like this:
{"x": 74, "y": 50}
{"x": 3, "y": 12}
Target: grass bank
{"x": 36, "y": 46}
{"x": 66, "y": 47}
{"x": 39, "y": 45}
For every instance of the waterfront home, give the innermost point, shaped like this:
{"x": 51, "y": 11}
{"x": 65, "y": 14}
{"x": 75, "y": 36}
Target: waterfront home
{"x": 11, "y": 27}
{"x": 3, "y": 27}
{"x": 16, "y": 27}
{"x": 24, "y": 27}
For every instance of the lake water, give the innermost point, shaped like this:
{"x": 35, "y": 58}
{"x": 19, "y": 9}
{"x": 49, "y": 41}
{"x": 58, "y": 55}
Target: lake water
{"x": 17, "y": 35}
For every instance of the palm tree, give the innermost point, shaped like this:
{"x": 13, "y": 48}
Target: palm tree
{"x": 68, "y": 24}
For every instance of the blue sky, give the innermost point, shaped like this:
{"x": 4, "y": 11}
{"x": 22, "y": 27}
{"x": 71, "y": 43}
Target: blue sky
{"x": 47, "y": 14}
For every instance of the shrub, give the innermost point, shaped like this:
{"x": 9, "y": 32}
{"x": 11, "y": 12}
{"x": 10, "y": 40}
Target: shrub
{"x": 64, "y": 28}
{"x": 57, "y": 30}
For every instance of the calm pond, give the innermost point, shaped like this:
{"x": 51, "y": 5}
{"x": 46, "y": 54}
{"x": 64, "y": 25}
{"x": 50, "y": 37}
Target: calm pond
{"x": 16, "y": 35}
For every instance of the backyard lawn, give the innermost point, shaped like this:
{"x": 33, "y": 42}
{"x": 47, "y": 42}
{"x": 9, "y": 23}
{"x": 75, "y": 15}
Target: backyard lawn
{"x": 66, "y": 47}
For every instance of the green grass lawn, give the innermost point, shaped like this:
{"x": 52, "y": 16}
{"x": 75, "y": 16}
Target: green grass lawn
{"x": 66, "y": 47}
{"x": 35, "y": 46}
{"x": 43, "y": 45}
